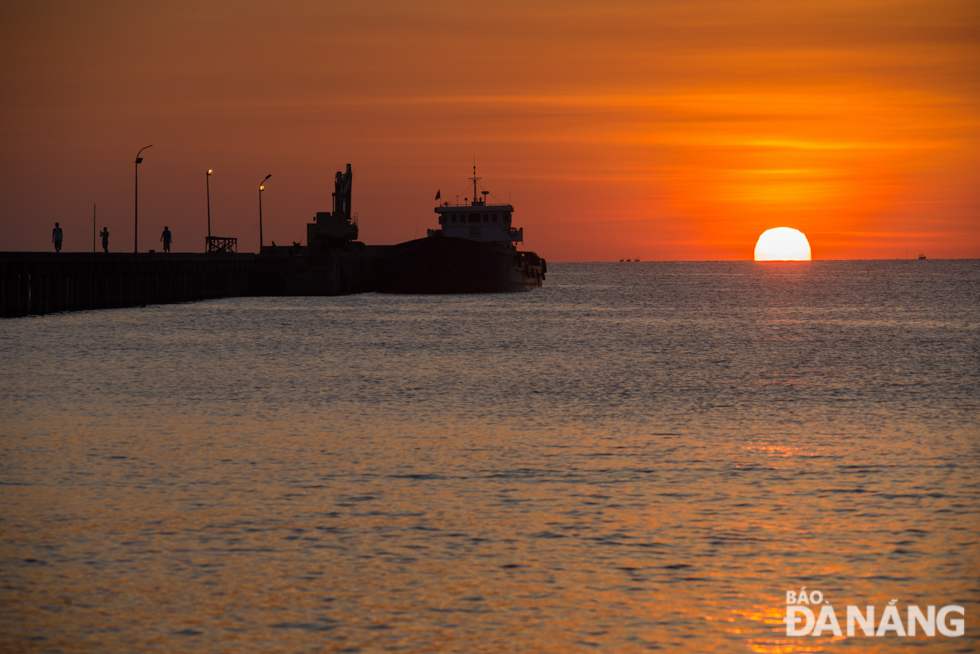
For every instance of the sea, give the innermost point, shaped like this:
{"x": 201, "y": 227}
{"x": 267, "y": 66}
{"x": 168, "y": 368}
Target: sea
{"x": 639, "y": 456}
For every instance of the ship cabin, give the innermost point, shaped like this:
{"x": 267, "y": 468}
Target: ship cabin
{"x": 478, "y": 221}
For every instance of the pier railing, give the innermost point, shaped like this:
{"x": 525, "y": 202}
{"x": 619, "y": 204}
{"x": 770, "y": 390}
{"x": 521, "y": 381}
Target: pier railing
{"x": 221, "y": 244}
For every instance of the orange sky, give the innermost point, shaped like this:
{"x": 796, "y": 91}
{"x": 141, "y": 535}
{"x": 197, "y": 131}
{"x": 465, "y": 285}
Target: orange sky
{"x": 641, "y": 129}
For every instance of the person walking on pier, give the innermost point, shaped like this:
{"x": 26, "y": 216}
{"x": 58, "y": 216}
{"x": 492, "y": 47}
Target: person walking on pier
{"x": 105, "y": 239}
{"x": 56, "y": 237}
{"x": 166, "y": 238}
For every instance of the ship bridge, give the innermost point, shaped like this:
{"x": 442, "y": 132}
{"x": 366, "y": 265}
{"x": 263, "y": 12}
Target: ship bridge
{"x": 478, "y": 221}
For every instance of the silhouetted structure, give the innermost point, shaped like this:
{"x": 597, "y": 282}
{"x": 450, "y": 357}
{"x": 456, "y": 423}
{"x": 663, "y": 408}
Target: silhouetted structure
{"x": 33, "y": 283}
{"x": 334, "y": 229}
{"x": 472, "y": 253}
{"x": 222, "y": 244}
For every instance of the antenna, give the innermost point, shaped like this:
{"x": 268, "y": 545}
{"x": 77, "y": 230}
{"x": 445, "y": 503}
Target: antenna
{"x": 475, "y": 179}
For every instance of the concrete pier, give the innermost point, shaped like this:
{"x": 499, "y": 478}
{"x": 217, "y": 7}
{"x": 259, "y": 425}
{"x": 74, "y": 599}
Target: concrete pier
{"x": 36, "y": 283}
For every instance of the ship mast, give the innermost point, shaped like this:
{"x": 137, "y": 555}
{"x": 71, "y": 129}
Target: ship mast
{"x": 475, "y": 179}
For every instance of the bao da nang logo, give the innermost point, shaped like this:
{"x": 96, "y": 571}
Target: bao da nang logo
{"x": 809, "y": 614}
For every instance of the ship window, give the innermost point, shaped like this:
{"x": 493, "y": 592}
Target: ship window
{"x": 474, "y": 218}
{"x": 494, "y": 217}
{"x": 454, "y": 217}
{"x": 506, "y": 217}
{"x": 486, "y": 218}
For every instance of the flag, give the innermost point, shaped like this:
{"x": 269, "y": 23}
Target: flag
{"x": 438, "y": 194}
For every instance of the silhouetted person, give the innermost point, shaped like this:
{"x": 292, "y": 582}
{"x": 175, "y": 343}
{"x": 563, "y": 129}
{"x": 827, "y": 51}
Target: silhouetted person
{"x": 166, "y": 238}
{"x": 105, "y": 239}
{"x": 56, "y": 237}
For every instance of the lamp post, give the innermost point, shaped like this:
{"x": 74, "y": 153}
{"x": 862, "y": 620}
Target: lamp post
{"x": 208, "y": 178}
{"x": 136, "y": 210}
{"x": 261, "y": 188}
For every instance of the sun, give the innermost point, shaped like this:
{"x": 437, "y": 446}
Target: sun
{"x": 782, "y": 244}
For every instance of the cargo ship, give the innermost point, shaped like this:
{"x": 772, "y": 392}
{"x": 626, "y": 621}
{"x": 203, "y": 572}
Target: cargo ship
{"x": 473, "y": 251}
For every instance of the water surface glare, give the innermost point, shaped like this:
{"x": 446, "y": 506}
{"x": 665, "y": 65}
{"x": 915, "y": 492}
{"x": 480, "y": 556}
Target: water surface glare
{"x": 636, "y": 457}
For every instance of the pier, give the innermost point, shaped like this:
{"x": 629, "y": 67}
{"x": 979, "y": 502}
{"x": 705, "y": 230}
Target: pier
{"x": 37, "y": 283}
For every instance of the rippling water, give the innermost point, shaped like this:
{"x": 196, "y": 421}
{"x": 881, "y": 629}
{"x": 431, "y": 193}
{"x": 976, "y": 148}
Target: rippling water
{"x": 636, "y": 457}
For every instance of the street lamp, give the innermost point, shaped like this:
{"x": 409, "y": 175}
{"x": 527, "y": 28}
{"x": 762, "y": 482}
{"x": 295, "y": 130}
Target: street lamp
{"x": 136, "y": 210}
{"x": 209, "y": 203}
{"x": 261, "y": 188}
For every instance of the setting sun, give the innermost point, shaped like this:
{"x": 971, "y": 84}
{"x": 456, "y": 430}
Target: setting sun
{"x": 782, "y": 244}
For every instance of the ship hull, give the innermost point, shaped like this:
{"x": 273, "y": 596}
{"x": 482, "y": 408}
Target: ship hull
{"x": 443, "y": 264}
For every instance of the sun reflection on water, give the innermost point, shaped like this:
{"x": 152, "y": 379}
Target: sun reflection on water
{"x": 409, "y": 483}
